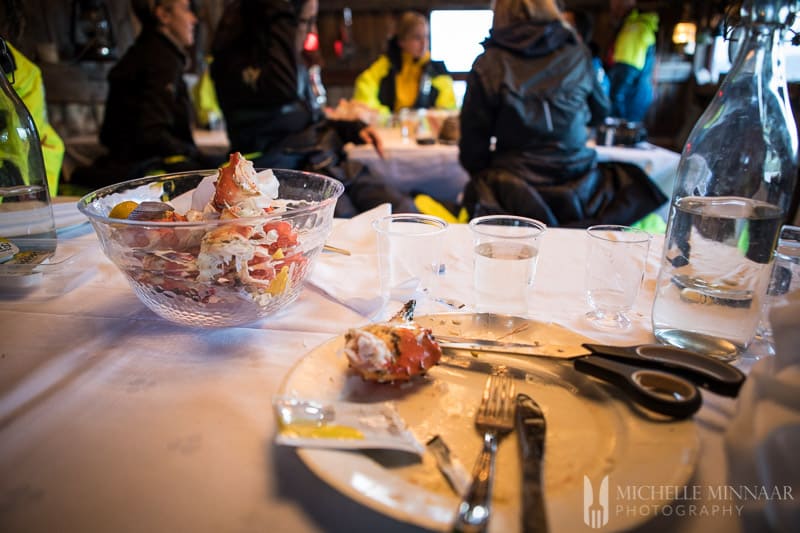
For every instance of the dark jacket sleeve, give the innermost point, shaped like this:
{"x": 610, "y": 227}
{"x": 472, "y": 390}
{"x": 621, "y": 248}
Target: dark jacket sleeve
{"x": 348, "y": 130}
{"x": 476, "y": 126}
{"x": 599, "y": 102}
{"x": 159, "y": 107}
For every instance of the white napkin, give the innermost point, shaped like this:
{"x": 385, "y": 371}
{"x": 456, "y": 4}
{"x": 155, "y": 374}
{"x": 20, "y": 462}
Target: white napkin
{"x": 763, "y": 439}
{"x": 354, "y": 280}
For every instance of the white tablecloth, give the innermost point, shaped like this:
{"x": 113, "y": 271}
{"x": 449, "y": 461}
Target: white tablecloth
{"x": 435, "y": 170}
{"x": 112, "y": 419}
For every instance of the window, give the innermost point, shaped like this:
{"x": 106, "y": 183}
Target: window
{"x": 457, "y": 34}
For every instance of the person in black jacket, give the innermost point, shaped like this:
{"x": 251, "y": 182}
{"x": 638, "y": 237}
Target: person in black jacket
{"x": 147, "y": 126}
{"x": 271, "y": 115}
{"x": 529, "y": 98}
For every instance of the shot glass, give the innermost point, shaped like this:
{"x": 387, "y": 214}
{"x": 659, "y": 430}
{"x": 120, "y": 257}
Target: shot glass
{"x": 785, "y": 279}
{"x": 505, "y": 255}
{"x": 616, "y": 263}
{"x": 409, "y": 255}
{"x": 409, "y": 122}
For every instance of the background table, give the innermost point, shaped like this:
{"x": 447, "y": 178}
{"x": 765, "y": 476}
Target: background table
{"x": 435, "y": 170}
{"x": 430, "y": 169}
{"x": 112, "y": 419}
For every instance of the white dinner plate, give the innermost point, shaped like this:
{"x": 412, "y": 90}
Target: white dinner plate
{"x": 592, "y": 431}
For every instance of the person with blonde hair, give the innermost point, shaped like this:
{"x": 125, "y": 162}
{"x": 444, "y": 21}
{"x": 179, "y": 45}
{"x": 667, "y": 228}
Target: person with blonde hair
{"x": 405, "y": 76}
{"x": 529, "y": 99}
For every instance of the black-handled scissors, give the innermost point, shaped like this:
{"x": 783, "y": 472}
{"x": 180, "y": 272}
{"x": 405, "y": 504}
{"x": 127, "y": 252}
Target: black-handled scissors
{"x": 660, "y": 377}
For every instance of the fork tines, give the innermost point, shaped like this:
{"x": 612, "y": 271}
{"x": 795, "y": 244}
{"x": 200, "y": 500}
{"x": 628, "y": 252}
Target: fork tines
{"x": 498, "y": 397}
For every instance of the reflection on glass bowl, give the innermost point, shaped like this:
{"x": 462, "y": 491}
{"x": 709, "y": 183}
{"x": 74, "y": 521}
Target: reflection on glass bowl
{"x": 256, "y": 267}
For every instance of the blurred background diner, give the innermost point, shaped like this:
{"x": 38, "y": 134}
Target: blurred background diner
{"x": 147, "y": 124}
{"x": 405, "y": 76}
{"x": 529, "y": 99}
{"x": 272, "y": 112}
{"x": 76, "y": 44}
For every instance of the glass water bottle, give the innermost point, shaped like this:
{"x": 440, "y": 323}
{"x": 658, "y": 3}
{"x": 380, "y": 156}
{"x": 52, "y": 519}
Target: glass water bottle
{"x": 732, "y": 191}
{"x": 25, "y": 210}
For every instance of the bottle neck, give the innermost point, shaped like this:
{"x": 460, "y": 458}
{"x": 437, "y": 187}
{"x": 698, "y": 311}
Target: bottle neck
{"x": 761, "y": 54}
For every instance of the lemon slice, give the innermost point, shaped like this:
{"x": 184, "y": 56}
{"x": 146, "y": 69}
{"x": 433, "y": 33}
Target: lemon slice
{"x": 123, "y": 209}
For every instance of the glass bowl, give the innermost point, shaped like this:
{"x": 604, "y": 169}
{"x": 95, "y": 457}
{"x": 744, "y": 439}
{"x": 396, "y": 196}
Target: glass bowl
{"x": 175, "y": 273}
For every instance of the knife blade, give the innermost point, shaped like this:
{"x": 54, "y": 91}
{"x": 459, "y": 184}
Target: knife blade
{"x": 561, "y": 351}
{"x": 479, "y": 366}
{"x": 531, "y": 428}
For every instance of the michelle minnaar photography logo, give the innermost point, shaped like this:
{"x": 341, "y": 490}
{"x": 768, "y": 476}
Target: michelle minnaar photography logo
{"x": 603, "y": 501}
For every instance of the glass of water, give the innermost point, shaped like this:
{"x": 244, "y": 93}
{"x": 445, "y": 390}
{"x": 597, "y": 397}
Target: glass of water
{"x": 616, "y": 262}
{"x": 506, "y": 251}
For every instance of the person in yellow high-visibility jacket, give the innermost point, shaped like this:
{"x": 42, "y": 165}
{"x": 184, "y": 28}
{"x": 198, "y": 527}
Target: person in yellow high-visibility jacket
{"x": 631, "y": 61}
{"x": 204, "y": 100}
{"x": 29, "y": 86}
{"x": 405, "y": 76}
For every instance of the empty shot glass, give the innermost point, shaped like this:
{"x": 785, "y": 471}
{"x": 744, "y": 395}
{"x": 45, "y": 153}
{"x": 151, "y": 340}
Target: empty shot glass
{"x": 616, "y": 262}
{"x": 409, "y": 255}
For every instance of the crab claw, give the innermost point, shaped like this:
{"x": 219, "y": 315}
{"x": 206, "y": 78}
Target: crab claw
{"x": 396, "y": 350}
{"x": 235, "y": 182}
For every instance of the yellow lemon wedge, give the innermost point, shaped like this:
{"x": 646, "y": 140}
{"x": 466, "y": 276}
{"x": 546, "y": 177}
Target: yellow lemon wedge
{"x": 123, "y": 209}
{"x": 280, "y": 282}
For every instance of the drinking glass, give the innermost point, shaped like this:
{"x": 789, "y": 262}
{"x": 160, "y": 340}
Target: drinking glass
{"x": 615, "y": 266}
{"x": 409, "y": 255}
{"x": 785, "y": 279}
{"x": 506, "y": 252}
{"x": 409, "y": 121}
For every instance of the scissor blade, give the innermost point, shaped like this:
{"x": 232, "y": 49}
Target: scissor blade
{"x": 558, "y": 351}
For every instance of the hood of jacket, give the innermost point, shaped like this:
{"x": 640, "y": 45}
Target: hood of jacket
{"x": 650, "y": 20}
{"x": 530, "y": 38}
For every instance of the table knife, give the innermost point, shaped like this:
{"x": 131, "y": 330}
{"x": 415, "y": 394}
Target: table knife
{"x": 531, "y": 427}
{"x": 514, "y": 348}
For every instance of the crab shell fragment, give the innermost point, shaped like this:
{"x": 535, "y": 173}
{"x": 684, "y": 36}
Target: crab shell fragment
{"x": 391, "y": 351}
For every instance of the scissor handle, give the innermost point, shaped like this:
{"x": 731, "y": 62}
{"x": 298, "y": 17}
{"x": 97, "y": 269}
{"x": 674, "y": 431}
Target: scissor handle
{"x": 659, "y": 391}
{"x": 705, "y": 371}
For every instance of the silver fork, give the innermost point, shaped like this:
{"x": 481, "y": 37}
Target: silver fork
{"x": 495, "y": 419}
